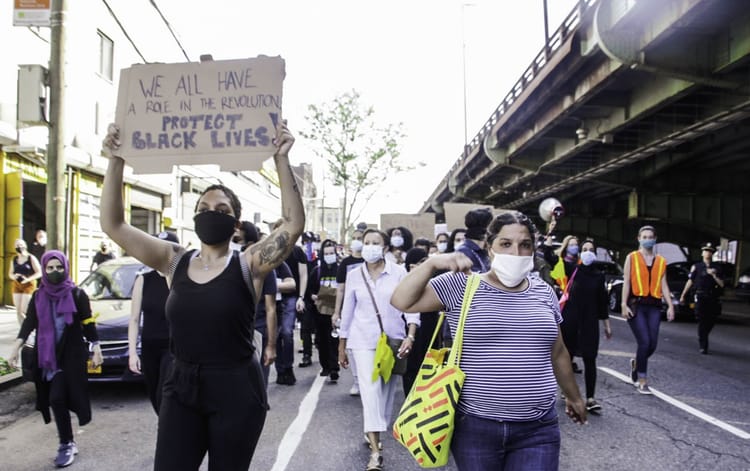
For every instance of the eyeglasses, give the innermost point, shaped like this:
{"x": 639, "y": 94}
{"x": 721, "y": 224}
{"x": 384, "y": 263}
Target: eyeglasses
{"x": 51, "y": 268}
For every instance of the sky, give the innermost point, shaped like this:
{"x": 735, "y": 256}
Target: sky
{"x": 406, "y": 58}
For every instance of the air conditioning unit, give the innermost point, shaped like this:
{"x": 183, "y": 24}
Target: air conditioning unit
{"x": 32, "y": 95}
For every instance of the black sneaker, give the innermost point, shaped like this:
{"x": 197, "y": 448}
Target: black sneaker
{"x": 324, "y": 372}
{"x": 575, "y": 367}
{"x": 593, "y": 406}
{"x": 306, "y": 361}
{"x": 334, "y": 377}
{"x": 633, "y": 372}
{"x": 66, "y": 454}
{"x": 286, "y": 378}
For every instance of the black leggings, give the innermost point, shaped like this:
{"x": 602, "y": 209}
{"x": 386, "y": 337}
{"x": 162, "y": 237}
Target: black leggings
{"x": 58, "y": 402}
{"x": 219, "y": 410}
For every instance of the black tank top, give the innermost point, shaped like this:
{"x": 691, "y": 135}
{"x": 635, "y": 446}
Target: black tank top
{"x": 25, "y": 269}
{"x": 153, "y": 301}
{"x": 211, "y": 323}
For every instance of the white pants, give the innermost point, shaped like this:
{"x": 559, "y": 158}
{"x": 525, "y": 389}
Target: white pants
{"x": 377, "y": 397}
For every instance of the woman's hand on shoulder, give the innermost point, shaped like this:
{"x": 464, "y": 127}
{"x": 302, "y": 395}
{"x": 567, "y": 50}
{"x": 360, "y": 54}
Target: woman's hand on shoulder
{"x": 111, "y": 142}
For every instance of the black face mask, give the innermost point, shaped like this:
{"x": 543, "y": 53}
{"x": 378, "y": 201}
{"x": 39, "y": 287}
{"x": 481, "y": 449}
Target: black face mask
{"x": 213, "y": 227}
{"x": 56, "y": 277}
{"x": 19, "y": 250}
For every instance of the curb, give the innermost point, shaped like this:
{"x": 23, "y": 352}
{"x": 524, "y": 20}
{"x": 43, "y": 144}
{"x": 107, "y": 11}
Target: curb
{"x": 10, "y": 380}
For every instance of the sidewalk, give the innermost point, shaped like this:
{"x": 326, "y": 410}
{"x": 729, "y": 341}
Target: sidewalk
{"x": 8, "y": 333}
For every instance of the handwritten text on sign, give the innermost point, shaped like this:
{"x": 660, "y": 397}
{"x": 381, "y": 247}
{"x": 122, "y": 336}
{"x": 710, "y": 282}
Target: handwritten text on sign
{"x": 216, "y": 112}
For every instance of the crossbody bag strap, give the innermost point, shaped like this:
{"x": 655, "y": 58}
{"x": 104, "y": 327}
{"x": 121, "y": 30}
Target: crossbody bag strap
{"x": 472, "y": 283}
{"x": 570, "y": 283}
{"x": 372, "y": 297}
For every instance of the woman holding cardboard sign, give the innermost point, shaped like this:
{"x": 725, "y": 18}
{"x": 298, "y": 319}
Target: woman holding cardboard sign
{"x": 214, "y": 400}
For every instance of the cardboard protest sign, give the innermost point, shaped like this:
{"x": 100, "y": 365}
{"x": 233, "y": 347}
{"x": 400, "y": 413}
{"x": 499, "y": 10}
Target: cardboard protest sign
{"x": 213, "y": 112}
{"x": 456, "y": 212}
{"x": 420, "y": 225}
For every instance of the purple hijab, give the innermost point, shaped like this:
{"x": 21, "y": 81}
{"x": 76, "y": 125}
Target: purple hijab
{"x": 62, "y": 297}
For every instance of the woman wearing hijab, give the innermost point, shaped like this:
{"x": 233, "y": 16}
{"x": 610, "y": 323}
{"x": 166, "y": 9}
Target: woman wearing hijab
{"x": 60, "y": 313}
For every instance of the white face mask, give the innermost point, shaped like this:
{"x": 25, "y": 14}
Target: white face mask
{"x": 42, "y": 241}
{"x": 587, "y": 258}
{"x": 356, "y": 246}
{"x": 330, "y": 259}
{"x": 442, "y": 246}
{"x": 397, "y": 241}
{"x": 458, "y": 245}
{"x": 511, "y": 270}
{"x": 372, "y": 253}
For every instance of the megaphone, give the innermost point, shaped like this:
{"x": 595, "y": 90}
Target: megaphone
{"x": 551, "y": 207}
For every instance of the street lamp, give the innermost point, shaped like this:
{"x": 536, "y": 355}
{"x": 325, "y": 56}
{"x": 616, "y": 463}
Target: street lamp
{"x": 463, "y": 60}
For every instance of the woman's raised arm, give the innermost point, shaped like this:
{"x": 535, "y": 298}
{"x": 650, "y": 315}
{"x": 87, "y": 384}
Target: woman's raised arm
{"x": 149, "y": 250}
{"x": 274, "y": 249}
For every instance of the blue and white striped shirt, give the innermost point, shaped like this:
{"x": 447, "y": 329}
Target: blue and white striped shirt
{"x": 507, "y": 346}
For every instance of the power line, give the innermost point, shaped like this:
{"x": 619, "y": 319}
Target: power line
{"x": 124, "y": 31}
{"x": 169, "y": 26}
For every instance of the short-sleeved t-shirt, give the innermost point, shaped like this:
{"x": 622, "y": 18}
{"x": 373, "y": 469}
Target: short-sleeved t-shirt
{"x": 269, "y": 288}
{"x": 507, "y": 346}
{"x": 345, "y": 266}
{"x": 293, "y": 260}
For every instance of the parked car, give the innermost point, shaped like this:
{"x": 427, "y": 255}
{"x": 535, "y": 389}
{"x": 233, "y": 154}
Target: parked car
{"x": 677, "y": 275}
{"x": 110, "y": 288}
{"x": 742, "y": 289}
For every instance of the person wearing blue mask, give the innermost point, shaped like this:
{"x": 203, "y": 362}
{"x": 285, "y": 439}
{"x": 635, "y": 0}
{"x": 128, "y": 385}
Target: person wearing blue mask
{"x": 644, "y": 285}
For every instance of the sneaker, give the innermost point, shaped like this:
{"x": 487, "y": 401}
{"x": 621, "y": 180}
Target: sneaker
{"x": 66, "y": 454}
{"x": 286, "y": 378}
{"x": 325, "y": 372}
{"x": 644, "y": 389}
{"x": 306, "y": 361}
{"x": 575, "y": 367}
{"x": 367, "y": 443}
{"x": 703, "y": 351}
{"x": 334, "y": 377}
{"x": 376, "y": 462}
{"x": 633, "y": 372}
{"x": 592, "y": 405}
{"x": 354, "y": 391}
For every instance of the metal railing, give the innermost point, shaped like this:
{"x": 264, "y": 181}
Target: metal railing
{"x": 554, "y": 42}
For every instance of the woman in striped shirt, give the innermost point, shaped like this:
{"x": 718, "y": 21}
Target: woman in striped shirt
{"x": 512, "y": 354}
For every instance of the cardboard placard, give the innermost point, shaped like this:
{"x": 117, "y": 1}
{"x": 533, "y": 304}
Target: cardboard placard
{"x": 213, "y": 112}
{"x": 420, "y": 225}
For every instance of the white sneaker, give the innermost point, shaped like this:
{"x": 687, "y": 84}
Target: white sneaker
{"x": 354, "y": 391}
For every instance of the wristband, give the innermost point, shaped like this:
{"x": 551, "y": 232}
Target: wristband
{"x": 411, "y": 337}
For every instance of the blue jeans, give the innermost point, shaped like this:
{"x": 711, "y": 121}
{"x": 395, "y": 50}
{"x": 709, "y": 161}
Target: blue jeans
{"x": 285, "y": 313}
{"x": 482, "y": 444}
{"x": 645, "y": 327}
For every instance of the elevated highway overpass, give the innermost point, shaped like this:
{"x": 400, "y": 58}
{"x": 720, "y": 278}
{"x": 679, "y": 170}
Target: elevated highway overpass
{"x": 634, "y": 112}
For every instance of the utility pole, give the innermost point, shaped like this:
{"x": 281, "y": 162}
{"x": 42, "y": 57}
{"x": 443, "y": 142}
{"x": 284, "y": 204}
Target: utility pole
{"x": 55, "y": 195}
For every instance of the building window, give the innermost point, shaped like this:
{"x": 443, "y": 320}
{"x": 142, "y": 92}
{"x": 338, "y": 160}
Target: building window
{"x": 106, "y": 52}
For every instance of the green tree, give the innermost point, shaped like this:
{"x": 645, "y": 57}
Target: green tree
{"x": 360, "y": 154}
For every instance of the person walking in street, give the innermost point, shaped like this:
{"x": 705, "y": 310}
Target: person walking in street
{"x": 24, "y": 271}
{"x": 323, "y": 288}
{"x": 305, "y": 259}
{"x": 366, "y": 307}
{"x": 286, "y": 314}
{"x": 102, "y": 255}
{"x": 586, "y": 306}
{"x": 475, "y": 245}
{"x": 39, "y": 245}
{"x": 60, "y": 314}
{"x": 214, "y": 401}
{"x": 512, "y": 354}
{"x": 349, "y": 263}
{"x": 644, "y": 285}
{"x": 147, "y": 306}
{"x": 707, "y": 279}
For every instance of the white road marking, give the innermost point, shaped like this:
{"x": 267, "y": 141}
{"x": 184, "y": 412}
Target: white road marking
{"x": 681, "y": 405}
{"x": 293, "y": 435}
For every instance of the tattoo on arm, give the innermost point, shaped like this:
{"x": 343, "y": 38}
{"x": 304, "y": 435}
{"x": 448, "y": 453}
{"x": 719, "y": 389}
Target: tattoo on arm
{"x": 272, "y": 251}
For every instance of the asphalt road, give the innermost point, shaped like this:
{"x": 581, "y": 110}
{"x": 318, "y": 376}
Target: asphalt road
{"x": 698, "y": 420}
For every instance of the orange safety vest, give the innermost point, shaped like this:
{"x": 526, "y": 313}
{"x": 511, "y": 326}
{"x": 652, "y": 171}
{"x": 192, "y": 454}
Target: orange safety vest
{"x": 642, "y": 283}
